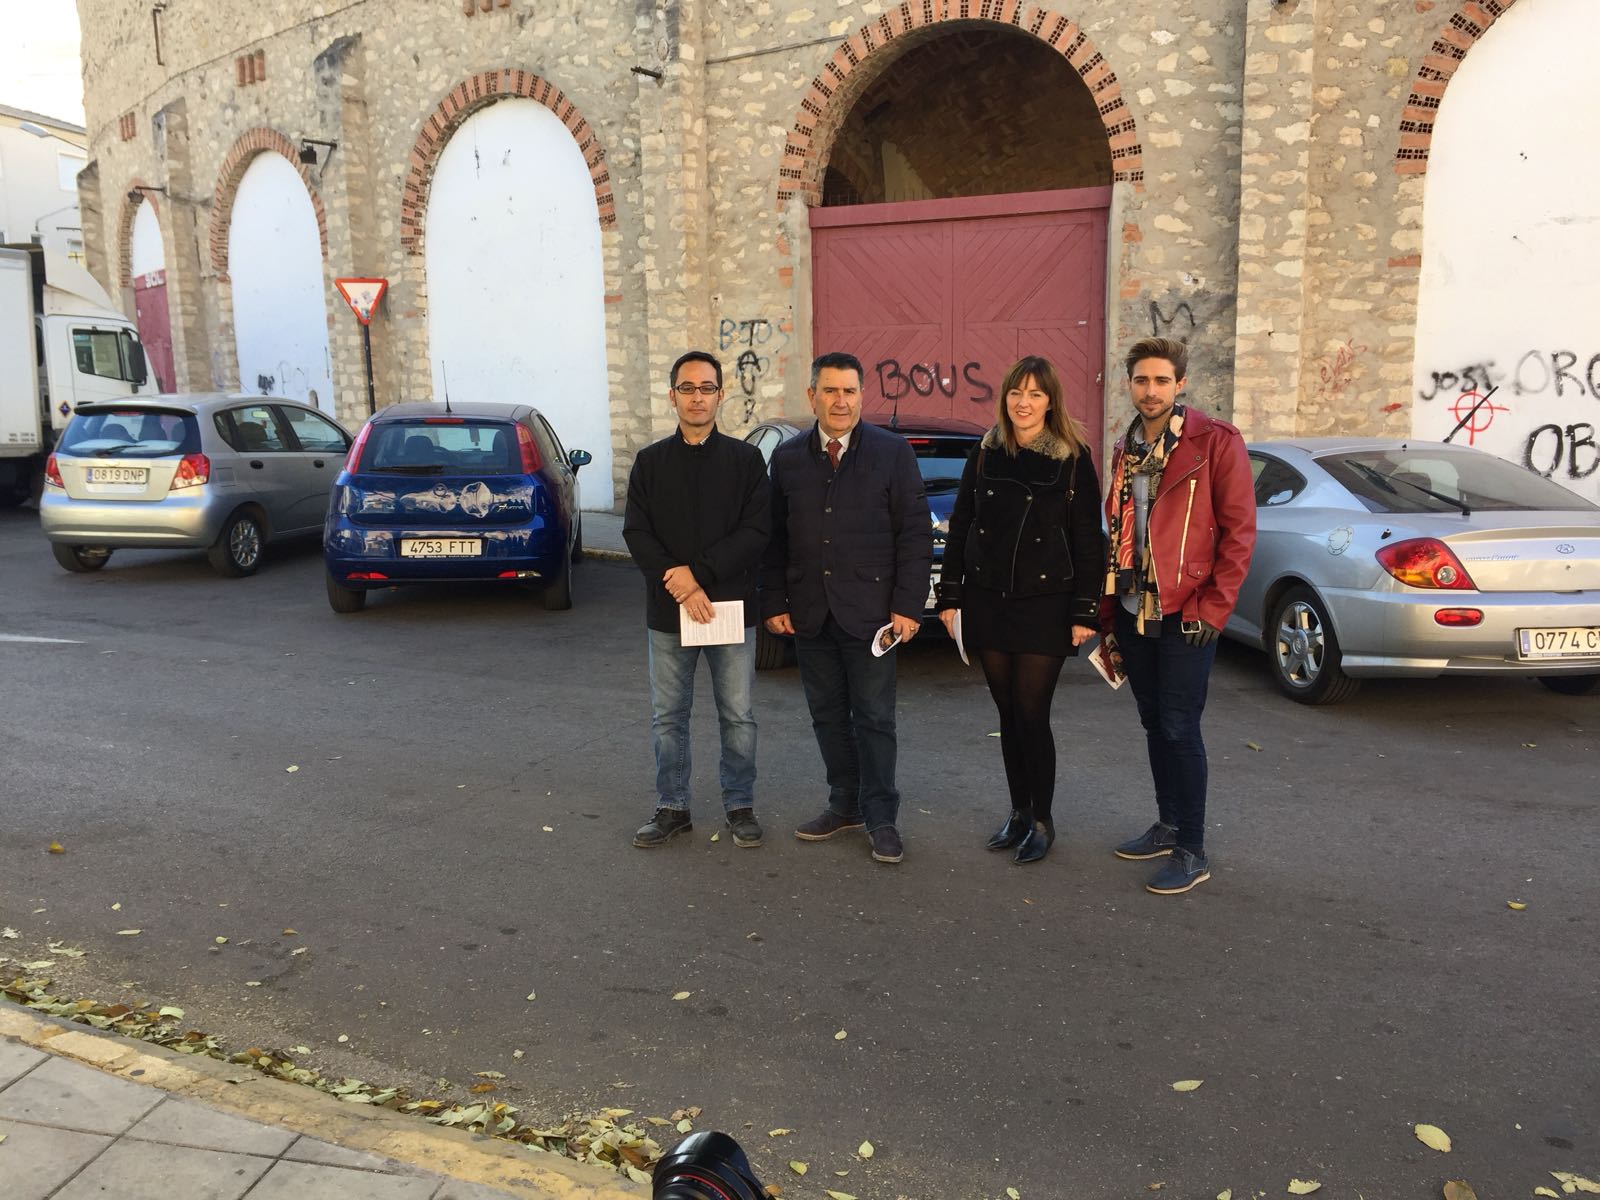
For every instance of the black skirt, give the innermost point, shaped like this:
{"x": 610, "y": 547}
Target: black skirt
{"x": 1017, "y": 624}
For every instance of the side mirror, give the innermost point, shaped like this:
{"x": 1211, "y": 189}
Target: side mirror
{"x": 137, "y": 364}
{"x": 579, "y": 458}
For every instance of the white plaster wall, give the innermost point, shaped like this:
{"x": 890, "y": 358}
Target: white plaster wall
{"x": 280, "y": 312}
{"x": 146, "y": 251}
{"x": 516, "y": 288}
{"x": 1511, "y": 247}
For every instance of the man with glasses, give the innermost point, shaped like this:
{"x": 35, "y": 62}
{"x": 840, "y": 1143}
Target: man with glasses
{"x": 697, "y": 523}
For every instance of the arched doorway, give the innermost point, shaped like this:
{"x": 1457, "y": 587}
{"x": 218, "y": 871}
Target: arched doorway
{"x": 147, "y": 264}
{"x": 1510, "y": 283}
{"x": 280, "y": 314}
{"x": 515, "y": 281}
{"x": 963, "y": 223}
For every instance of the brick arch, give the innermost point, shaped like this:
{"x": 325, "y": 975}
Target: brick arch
{"x": 256, "y": 141}
{"x": 841, "y": 81}
{"x": 127, "y": 210}
{"x": 1456, "y": 36}
{"x": 466, "y": 98}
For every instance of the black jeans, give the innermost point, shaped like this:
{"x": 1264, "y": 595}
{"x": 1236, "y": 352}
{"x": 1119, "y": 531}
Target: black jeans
{"x": 851, "y": 695}
{"x": 1169, "y": 679}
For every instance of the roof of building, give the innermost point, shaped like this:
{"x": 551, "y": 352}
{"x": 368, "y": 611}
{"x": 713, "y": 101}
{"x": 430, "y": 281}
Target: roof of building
{"x": 23, "y": 114}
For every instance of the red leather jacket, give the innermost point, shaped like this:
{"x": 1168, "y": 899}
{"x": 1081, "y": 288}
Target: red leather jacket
{"x": 1202, "y": 523}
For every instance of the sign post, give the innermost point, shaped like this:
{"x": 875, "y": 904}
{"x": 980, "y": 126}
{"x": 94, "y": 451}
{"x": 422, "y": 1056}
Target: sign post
{"x": 362, "y": 295}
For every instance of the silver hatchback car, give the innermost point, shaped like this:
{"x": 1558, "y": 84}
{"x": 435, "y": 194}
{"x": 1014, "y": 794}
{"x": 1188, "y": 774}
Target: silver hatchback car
{"x": 217, "y": 472}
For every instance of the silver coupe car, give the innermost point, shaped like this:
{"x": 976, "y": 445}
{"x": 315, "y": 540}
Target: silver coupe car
{"x": 1390, "y": 558}
{"x": 214, "y": 472}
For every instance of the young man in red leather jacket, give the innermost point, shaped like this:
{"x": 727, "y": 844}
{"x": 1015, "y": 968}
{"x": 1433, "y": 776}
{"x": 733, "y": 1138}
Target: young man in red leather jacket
{"x": 1181, "y": 514}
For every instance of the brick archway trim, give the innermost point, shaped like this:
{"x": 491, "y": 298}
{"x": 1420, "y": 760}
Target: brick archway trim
{"x": 832, "y": 92}
{"x": 466, "y": 98}
{"x": 1456, "y": 36}
{"x": 238, "y": 159}
{"x": 127, "y": 210}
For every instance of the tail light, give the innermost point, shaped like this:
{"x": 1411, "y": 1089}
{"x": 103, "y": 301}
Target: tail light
{"x": 1425, "y": 563}
{"x": 193, "y": 470}
{"x": 1458, "y": 618}
{"x": 352, "y": 461}
{"x": 530, "y": 452}
{"x": 366, "y": 577}
{"x": 52, "y": 473}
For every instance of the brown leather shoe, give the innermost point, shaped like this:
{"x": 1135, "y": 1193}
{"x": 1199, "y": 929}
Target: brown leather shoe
{"x": 820, "y": 829}
{"x": 886, "y": 845}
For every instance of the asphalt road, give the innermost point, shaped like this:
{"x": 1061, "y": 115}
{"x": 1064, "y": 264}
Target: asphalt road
{"x": 1352, "y": 968}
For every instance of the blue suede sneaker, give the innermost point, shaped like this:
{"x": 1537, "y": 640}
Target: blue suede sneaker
{"x": 1182, "y": 871}
{"x": 1155, "y": 842}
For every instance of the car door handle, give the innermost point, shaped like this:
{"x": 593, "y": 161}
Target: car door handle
{"x": 257, "y": 463}
{"x": 317, "y": 462}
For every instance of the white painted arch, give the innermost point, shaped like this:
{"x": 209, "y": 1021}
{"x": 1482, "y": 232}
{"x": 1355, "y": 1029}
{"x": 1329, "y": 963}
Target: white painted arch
{"x": 146, "y": 250}
{"x": 280, "y": 312}
{"x": 515, "y": 280}
{"x": 1510, "y": 286}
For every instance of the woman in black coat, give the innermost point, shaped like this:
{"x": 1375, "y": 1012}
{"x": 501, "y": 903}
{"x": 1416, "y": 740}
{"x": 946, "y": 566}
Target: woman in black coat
{"x": 1024, "y": 564}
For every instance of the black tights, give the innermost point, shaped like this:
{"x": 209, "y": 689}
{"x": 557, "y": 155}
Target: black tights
{"x": 1023, "y": 686}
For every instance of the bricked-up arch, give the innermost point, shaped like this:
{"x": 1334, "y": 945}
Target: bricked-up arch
{"x": 256, "y": 141}
{"x": 840, "y": 83}
{"x": 126, "y": 211}
{"x": 466, "y": 98}
{"x": 1456, "y": 36}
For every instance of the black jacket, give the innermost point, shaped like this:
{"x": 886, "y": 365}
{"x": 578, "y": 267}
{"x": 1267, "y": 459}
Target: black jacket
{"x": 704, "y": 507}
{"x": 858, "y": 544}
{"x": 1027, "y": 525}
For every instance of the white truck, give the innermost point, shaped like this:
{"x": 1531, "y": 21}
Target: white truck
{"x": 62, "y": 343}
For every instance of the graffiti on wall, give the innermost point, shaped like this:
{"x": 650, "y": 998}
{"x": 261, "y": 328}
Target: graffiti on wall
{"x": 897, "y": 380}
{"x": 1337, "y": 371}
{"x": 753, "y": 338}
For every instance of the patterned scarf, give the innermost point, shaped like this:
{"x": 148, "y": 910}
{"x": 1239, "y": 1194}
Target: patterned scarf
{"x": 1123, "y": 578}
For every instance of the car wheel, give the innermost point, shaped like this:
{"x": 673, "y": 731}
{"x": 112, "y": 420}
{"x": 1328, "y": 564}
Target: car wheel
{"x": 772, "y": 651}
{"x": 1305, "y": 651}
{"x": 1570, "y": 685}
{"x": 79, "y": 559}
{"x": 577, "y": 541}
{"x": 237, "y": 550}
{"x": 13, "y": 497}
{"x": 558, "y": 592}
{"x": 345, "y": 600}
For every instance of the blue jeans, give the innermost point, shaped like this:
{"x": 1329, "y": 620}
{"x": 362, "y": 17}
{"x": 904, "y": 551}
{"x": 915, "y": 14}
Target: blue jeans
{"x": 733, "y": 674}
{"x": 1169, "y": 679}
{"x": 851, "y": 696}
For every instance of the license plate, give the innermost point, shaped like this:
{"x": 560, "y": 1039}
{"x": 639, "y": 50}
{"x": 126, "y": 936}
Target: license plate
{"x": 139, "y": 475}
{"x": 1573, "y": 641}
{"x": 440, "y": 547}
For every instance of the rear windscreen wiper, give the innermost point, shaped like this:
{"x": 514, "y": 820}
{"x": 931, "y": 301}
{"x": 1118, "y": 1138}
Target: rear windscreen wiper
{"x": 1384, "y": 481}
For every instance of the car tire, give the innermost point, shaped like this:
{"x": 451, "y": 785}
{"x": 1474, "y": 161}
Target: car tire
{"x": 237, "y": 550}
{"x": 1570, "y": 685}
{"x": 772, "y": 651}
{"x": 345, "y": 600}
{"x": 558, "y": 592}
{"x": 14, "y": 497}
{"x": 1304, "y": 651}
{"x": 79, "y": 559}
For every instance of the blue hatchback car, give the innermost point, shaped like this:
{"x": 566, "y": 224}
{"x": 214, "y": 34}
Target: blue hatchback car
{"x": 468, "y": 492}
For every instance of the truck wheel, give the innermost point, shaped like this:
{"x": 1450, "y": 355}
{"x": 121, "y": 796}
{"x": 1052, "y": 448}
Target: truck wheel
{"x": 79, "y": 559}
{"x": 12, "y": 497}
{"x": 772, "y": 651}
{"x": 237, "y": 550}
{"x": 345, "y": 600}
{"x": 1305, "y": 651}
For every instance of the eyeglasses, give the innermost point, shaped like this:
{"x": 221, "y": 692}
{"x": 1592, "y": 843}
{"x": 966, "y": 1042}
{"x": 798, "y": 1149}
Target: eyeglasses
{"x": 705, "y": 389}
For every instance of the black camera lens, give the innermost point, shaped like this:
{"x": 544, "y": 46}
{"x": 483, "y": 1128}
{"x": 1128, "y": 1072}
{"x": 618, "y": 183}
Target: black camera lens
{"x": 706, "y": 1166}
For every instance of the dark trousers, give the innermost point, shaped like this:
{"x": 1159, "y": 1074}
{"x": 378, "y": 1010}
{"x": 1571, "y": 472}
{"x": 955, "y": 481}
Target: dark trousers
{"x": 1169, "y": 679}
{"x": 851, "y": 696}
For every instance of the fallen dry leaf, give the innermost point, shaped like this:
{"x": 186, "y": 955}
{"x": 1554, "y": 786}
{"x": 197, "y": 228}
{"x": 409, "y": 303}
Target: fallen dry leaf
{"x": 1187, "y": 1085}
{"x": 9, "y": 932}
{"x": 57, "y": 848}
{"x": 1571, "y": 1183}
{"x": 779, "y": 1132}
{"x": 478, "y": 1089}
{"x": 840, "y": 1036}
{"x": 616, "y": 1114}
{"x": 533, "y": 995}
{"x": 221, "y": 941}
{"x": 1225, "y": 1194}
{"x": 864, "y": 1150}
{"x": 549, "y": 828}
{"x": 489, "y": 1074}
{"x": 117, "y": 907}
{"x": 799, "y": 1168}
{"x": 1433, "y": 1138}
{"x": 290, "y": 932}
{"x": 129, "y": 932}
{"x": 1515, "y": 905}
{"x": 299, "y": 950}
{"x": 1544, "y": 1191}
{"x": 833, "y": 1195}
{"x": 1013, "y": 1194}
{"x": 291, "y": 770}
{"x": 685, "y": 1126}
{"x": 344, "y": 1037}
{"x": 1252, "y": 745}
{"x": 1303, "y": 1187}
{"x": 252, "y": 983}
{"x": 682, "y": 995}
{"x": 1459, "y": 1189}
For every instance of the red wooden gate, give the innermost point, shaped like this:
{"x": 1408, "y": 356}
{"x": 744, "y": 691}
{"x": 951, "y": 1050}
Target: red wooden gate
{"x": 155, "y": 327}
{"x": 938, "y": 298}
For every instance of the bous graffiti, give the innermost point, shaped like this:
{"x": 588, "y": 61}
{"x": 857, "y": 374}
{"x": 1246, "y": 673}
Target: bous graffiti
{"x": 897, "y": 380}
{"x": 1568, "y": 450}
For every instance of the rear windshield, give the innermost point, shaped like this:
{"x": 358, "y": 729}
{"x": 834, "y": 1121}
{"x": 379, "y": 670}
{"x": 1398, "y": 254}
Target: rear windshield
{"x": 424, "y": 448}
{"x": 941, "y": 460}
{"x": 131, "y": 433}
{"x": 1438, "y": 479}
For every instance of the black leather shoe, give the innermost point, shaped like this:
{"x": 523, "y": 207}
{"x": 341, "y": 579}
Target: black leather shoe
{"x": 886, "y": 845}
{"x": 1038, "y": 842}
{"x": 820, "y": 829}
{"x": 667, "y": 824}
{"x": 1013, "y": 831}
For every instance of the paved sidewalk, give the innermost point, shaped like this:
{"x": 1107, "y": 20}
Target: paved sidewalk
{"x": 71, "y": 1131}
{"x": 602, "y": 535}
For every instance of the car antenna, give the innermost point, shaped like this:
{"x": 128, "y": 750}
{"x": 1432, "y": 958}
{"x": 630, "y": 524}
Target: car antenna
{"x": 445, "y": 371}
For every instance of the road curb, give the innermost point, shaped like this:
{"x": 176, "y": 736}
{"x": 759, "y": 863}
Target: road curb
{"x": 607, "y": 555}
{"x": 472, "y": 1158}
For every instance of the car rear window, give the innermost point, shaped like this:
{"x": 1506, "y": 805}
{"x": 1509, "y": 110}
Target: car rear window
{"x": 131, "y": 433}
{"x": 941, "y": 460}
{"x": 1439, "y": 479}
{"x": 430, "y": 448}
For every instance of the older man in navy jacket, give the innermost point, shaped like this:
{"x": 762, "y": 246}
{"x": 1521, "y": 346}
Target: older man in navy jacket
{"x": 851, "y": 551}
